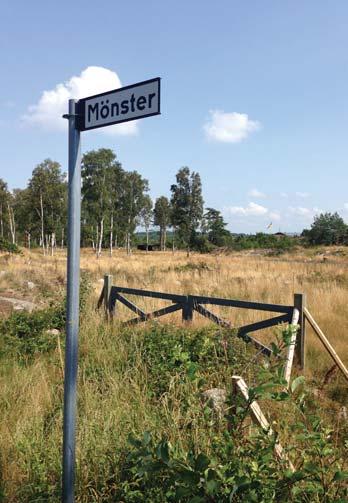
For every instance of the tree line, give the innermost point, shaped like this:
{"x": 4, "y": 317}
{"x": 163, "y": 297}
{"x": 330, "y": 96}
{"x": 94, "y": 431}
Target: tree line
{"x": 114, "y": 203}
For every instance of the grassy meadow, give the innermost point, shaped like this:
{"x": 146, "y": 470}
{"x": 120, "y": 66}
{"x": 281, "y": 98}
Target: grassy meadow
{"x": 124, "y": 385}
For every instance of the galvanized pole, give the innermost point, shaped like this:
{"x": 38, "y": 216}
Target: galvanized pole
{"x": 72, "y": 319}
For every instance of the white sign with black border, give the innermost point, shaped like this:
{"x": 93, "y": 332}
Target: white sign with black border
{"x": 121, "y": 105}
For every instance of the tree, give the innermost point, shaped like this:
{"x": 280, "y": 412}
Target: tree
{"x": 4, "y": 197}
{"x": 162, "y": 213}
{"x": 214, "y": 227}
{"x": 132, "y": 201}
{"x": 102, "y": 176}
{"x": 327, "y": 229}
{"x": 146, "y": 216}
{"x": 187, "y": 205}
{"x": 47, "y": 195}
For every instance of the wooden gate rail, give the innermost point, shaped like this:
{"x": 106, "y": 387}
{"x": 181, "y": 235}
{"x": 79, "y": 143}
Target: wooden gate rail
{"x": 326, "y": 343}
{"x": 258, "y": 418}
{"x": 187, "y": 304}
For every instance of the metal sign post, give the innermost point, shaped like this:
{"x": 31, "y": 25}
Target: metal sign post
{"x": 72, "y": 315}
{"x": 125, "y": 104}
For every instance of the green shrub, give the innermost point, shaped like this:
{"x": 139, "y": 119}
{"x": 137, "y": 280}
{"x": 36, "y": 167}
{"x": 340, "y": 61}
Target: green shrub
{"x": 27, "y": 334}
{"x": 6, "y": 246}
{"x": 241, "y": 467}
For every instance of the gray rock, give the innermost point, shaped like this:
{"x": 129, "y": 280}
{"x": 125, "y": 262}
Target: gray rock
{"x": 30, "y": 285}
{"x": 216, "y": 399}
{"x": 53, "y": 331}
{"x": 19, "y": 304}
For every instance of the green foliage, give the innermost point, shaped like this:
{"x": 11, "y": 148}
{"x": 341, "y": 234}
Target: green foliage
{"x": 6, "y": 246}
{"x": 262, "y": 241}
{"x": 162, "y": 213}
{"x": 239, "y": 466}
{"x": 185, "y": 354}
{"x": 215, "y": 227}
{"x": 327, "y": 229}
{"x": 187, "y": 205}
{"x": 27, "y": 334}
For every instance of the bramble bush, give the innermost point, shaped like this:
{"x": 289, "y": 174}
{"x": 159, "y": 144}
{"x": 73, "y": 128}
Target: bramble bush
{"x": 241, "y": 467}
{"x": 26, "y": 334}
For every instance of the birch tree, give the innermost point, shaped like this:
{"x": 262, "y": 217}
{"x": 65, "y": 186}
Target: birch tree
{"x": 162, "y": 218}
{"x": 187, "y": 205}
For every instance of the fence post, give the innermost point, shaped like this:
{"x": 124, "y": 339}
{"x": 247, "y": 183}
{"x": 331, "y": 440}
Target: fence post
{"x": 300, "y": 353}
{"x": 107, "y": 291}
{"x": 187, "y": 309}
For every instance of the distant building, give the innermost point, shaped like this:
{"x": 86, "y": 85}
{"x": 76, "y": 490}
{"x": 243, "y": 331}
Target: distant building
{"x": 155, "y": 247}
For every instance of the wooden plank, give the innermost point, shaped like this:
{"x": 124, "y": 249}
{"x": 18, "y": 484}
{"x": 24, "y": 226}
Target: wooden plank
{"x": 101, "y": 299}
{"x": 130, "y": 305}
{"x": 107, "y": 290}
{"x": 259, "y": 418}
{"x": 326, "y": 343}
{"x": 258, "y": 306}
{"x": 149, "y": 293}
{"x": 259, "y": 325}
{"x": 154, "y": 314}
{"x": 247, "y": 338}
{"x": 112, "y": 301}
{"x": 211, "y": 316}
{"x": 300, "y": 353}
{"x": 187, "y": 310}
{"x": 258, "y": 345}
{"x": 292, "y": 345}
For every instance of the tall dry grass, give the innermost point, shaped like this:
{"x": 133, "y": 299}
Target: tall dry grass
{"x": 112, "y": 397}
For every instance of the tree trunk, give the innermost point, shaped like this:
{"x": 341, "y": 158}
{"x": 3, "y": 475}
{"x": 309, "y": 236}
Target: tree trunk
{"x": 164, "y": 238}
{"x": 42, "y": 224}
{"x": 161, "y": 238}
{"x": 1, "y": 222}
{"x": 29, "y": 238}
{"x": 147, "y": 239}
{"x": 173, "y": 245}
{"x": 53, "y": 243}
{"x": 62, "y": 241}
{"x": 128, "y": 243}
{"x": 111, "y": 232}
{"x": 100, "y": 238}
{"x": 12, "y": 223}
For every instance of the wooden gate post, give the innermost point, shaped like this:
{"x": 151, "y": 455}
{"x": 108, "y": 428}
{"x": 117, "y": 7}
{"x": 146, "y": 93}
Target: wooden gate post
{"x": 300, "y": 348}
{"x": 107, "y": 291}
{"x": 187, "y": 309}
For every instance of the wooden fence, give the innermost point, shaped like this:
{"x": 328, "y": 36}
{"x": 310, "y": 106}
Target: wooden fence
{"x": 296, "y": 315}
{"x": 188, "y": 304}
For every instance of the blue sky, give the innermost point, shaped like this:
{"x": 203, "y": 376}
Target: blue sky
{"x": 254, "y": 97}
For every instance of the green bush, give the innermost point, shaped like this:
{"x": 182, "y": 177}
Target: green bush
{"x": 6, "y": 246}
{"x": 242, "y": 467}
{"x": 27, "y": 334}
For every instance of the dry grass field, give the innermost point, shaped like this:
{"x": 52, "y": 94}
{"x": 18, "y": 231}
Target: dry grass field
{"x": 322, "y": 274}
{"x": 30, "y": 396}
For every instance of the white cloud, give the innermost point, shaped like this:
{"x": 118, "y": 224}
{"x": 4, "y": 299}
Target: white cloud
{"x": 301, "y": 211}
{"x": 256, "y": 193}
{"x": 275, "y": 215}
{"x": 284, "y": 194}
{"x": 229, "y": 127}
{"x": 252, "y": 209}
{"x": 345, "y": 206}
{"x": 53, "y": 103}
{"x": 302, "y": 194}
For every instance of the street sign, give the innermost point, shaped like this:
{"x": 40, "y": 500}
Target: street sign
{"x": 125, "y": 104}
